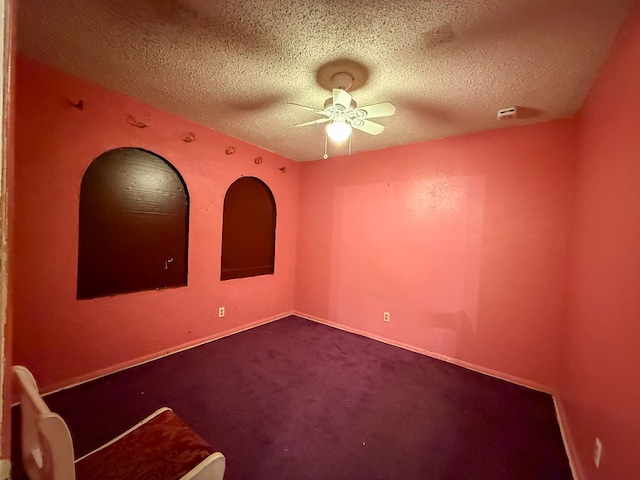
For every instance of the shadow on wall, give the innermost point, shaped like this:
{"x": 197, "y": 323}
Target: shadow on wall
{"x": 449, "y": 333}
{"x": 412, "y": 248}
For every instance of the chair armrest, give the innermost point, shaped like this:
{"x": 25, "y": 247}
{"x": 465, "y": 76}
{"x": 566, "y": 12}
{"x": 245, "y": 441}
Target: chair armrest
{"x": 211, "y": 468}
{"x": 124, "y": 434}
{"x": 163, "y": 445}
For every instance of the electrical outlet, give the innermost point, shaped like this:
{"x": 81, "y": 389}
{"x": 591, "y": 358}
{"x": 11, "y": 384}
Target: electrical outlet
{"x": 221, "y": 312}
{"x": 386, "y": 317}
{"x": 597, "y": 452}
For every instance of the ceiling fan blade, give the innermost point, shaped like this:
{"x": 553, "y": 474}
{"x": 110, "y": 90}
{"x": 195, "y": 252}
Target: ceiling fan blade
{"x": 314, "y": 110}
{"x": 366, "y": 126}
{"x": 383, "y": 109}
{"x": 341, "y": 98}
{"x": 312, "y": 122}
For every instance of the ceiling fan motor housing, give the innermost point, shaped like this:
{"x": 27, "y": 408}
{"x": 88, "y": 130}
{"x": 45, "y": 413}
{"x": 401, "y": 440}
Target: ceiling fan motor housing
{"x": 329, "y": 103}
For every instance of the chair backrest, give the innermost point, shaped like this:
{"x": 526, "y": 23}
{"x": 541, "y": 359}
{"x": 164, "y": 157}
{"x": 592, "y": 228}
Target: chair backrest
{"x": 47, "y": 448}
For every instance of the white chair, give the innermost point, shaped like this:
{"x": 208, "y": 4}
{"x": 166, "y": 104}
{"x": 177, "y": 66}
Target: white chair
{"x": 161, "y": 446}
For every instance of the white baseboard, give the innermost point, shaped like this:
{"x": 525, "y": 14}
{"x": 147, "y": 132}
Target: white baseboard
{"x": 566, "y": 438}
{"x": 461, "y": 363}
{"x": 74, "y": 382}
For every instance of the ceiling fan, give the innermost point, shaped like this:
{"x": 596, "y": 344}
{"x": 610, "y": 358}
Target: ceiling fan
{"x": 343, "y": 114}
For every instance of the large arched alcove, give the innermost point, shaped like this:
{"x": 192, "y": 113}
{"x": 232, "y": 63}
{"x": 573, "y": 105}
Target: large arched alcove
{"x": 133, "y": 226}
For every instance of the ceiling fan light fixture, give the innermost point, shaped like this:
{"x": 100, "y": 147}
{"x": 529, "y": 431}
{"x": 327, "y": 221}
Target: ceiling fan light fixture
{"x": 339, "y": 130}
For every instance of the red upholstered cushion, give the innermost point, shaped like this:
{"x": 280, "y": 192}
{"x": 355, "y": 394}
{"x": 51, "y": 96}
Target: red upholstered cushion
{"x": 164, "y": 448}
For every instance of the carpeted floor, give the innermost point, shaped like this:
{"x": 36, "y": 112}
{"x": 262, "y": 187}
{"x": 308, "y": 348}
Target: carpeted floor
{"x": 295, "y": 399}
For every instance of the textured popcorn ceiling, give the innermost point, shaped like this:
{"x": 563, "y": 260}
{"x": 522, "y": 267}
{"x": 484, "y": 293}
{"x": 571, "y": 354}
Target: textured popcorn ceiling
{"x": 447, "y": 65}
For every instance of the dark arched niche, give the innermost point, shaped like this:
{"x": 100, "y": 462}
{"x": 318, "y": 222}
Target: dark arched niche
{"x": 248, "y": 230}
{"x": 134, "y": 223}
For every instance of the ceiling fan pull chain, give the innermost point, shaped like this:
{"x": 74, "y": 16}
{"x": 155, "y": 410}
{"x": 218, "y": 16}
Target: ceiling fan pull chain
{"x": 325, "y": 156}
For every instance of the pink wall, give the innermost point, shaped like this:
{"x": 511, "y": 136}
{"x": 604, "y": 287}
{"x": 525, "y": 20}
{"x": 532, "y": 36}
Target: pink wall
{"x": 601, "y": 343}
{"x": 462, "y": 240}
{"x": 64, "y": 340}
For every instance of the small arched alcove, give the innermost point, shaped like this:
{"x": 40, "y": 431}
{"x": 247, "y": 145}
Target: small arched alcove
{"x": 248, "y": 230}
{"x": 133, "y": 226}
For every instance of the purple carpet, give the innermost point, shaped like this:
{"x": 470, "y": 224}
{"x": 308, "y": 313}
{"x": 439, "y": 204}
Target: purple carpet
{"x": 299, "y": 400}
